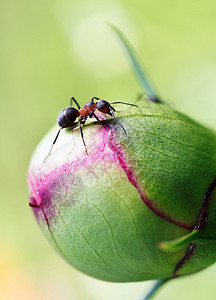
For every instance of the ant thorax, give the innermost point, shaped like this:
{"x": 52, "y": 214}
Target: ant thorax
{"x": 87, "y": 108}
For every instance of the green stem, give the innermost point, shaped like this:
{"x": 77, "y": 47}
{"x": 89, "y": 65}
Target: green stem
{"x": 158, "y": 284}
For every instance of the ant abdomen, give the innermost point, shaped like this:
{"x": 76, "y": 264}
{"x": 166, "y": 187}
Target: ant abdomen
{"x": 67, "y": 116}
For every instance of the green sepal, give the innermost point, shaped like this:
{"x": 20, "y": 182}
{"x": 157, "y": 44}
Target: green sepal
{"x": 178, "y": 244}
{"x": 136, "y": 65}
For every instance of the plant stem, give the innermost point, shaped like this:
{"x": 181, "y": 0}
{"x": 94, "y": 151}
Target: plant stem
{"x": 158, "y": 284}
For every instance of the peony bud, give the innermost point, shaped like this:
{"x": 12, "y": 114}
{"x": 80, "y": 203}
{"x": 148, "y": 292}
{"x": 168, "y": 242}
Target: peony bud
{"x": 111, "y": 212}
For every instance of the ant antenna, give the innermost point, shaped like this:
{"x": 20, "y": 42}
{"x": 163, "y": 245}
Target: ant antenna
{"x": 117, "y": 102}
{"x": 112, "y": 113}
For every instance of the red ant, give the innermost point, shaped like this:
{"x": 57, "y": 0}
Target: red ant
{"x": 67, "y": 117}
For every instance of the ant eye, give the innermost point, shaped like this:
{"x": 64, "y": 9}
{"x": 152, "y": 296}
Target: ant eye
{"x": 101, "y": 107}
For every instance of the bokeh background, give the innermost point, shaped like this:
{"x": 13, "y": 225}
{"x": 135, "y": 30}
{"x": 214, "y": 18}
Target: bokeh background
{"x": 51, "y": 50}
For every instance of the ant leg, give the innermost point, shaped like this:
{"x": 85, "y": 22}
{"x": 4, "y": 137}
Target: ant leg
{"x": 81, "y": 132}
{"x": 92, "y": 113}
{"x": 73, "y": 99}
{"x": 92, "y": 99}
{"x": 96, "y": 117}
{"x": 53, "y": 144}
{"x": 112, "y": 113}
{"x": 117, "y": 102}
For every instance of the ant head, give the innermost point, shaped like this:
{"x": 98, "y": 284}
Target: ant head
{"x": 67, "y": 116}
{"x": 103, "y": 106}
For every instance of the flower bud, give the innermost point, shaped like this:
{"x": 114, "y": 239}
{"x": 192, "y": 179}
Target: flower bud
{"x": 110, "y": 212}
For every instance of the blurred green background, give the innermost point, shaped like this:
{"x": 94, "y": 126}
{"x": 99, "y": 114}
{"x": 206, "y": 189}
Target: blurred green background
{"x": 51, "y": 50}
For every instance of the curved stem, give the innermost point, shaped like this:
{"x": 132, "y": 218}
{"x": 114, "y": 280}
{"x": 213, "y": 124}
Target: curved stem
{"x": 158, "y": 284}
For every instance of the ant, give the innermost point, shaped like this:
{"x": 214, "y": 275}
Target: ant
{"x": 68, "y": 116}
